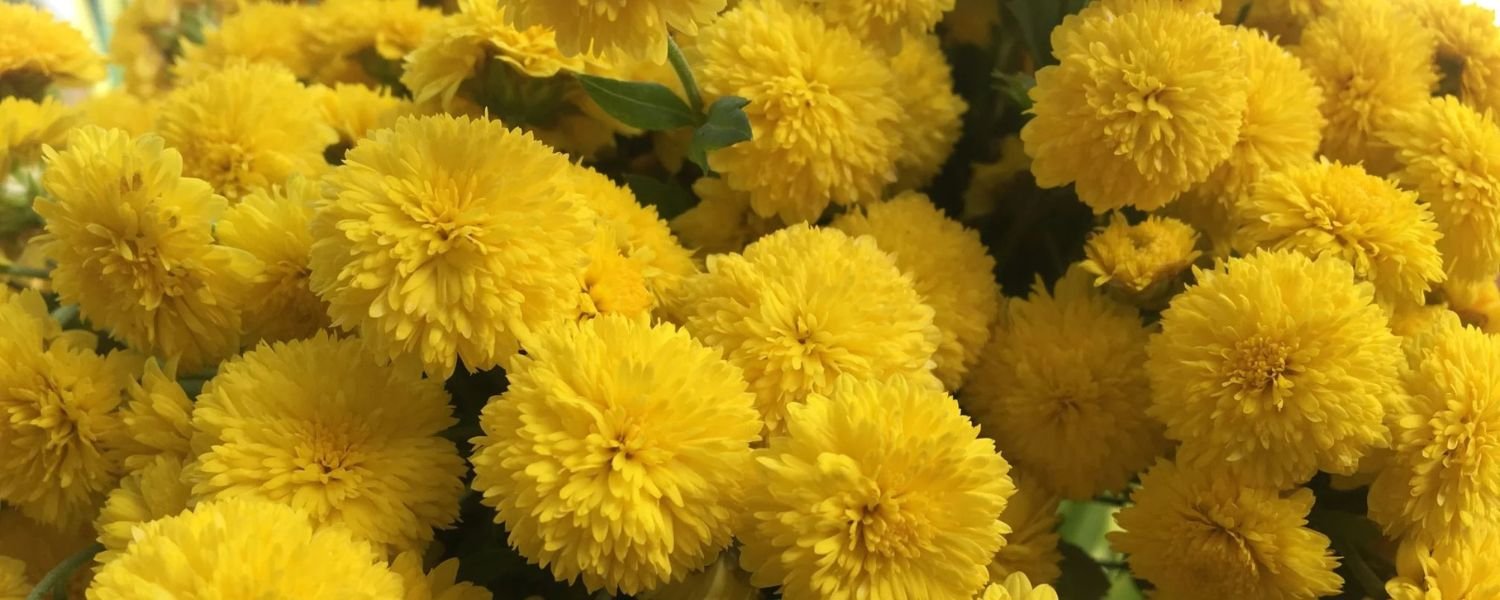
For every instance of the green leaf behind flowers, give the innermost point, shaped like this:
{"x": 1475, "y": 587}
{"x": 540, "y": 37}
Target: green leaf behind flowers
{"x": 643, "y": 105}
{"x": 725, "y": 126}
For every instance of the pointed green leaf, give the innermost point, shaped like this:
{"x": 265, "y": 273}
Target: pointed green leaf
{"x": 726, "y": 126}
{"x": 643, "y": 105}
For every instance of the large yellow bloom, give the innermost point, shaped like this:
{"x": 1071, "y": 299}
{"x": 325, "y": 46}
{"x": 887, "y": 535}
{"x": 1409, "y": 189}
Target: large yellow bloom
{"x": 38, "y": 49}
{"x": 821, "y": 110}
{"x": 478, "y": 38}
{"x": 223, "y": 549}
{"x": 886, "y": 23}
{"x": 133, "y": 243}
{"x": 880, "y": 490}
{"x": 355, "y": 110}
{"x": 156, "y": 419}
{"x": 246, "y": 126}
{"x": 1274, "y": 366}
{"x": 320, "y": 425}
{"x": 1062, "y": 389}
{"x": 265, "y": 33}
{"x": 932, "y": 111}
{"x": 635, "y": 233}
{"x": 632, "y": 28}
{"x": 154, "y": 491}
{"x": 619, "y": 453}
{"x": 1143, "y": 104}
{"x": 1031, "y": 546}
{"x": 274, "y": 226}
{"x": 1205, "y": 534}
{"x": 1450, "y": 154}
{"x": 1143, "y": 262}
{"x": 1447, "y": 572}
{"x": 1329, "y": 209}
{"x": 1468, "y": 48}
{"x": 804, "y": 305}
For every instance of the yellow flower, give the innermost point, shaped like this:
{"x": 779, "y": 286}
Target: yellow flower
{"x": 612, "y": 284}
{"x": 27, "y": 126}
{"x": 146, "y": 39}
{"x": 1468, "y": 48}
{"x": 821, "y": 110}
{"x": 42, "y": 547}
{"x": 886, "y": 24}
{"x": 355, "y": 110}
{"x": 119, "y": 109}
{"x": 1451, "y": 155}
{"x": 222, "y": 549}
{"x": 1329, "y": 209}
{"x": 618, "y": 453}
{"x": 244, "y": 127}
{"x": 1062, "y": 390}
{"x": 1373, "y": 62}
{"x": 259, "y": 33}
{"x": 477, "y": 38}
{"x": 441, "y": 583}
{"x": 1443, "y": 481}
{"x": 133, "y": 243}
{"x": 950, "y": 268}
{"x": 1281, "y": 19}
{"x": 804, "y": 305}
{"x": 721, "y": 221}
{"x": 879, "y": 489}
{"x": 321, "y": 425}
{"x": 14, "y": 584}
{"x": 632, "y": 28}
{"x": 450, "y": 238}
{"x": 352, "y": 31}
{"x": 1274, "y": 366}
{"x": 1204, "y": 534}
{"x": 156, "y": 419}
{"x": 932, "y": 110}
{"x": 37, "y": 49}
{"x": 636, "y": 234}
{"x": 1031, "y": 547}
{"x": 1448, "y": 572}
{"x": 1017, "y": 587}
{"x": 1142, "y": 105}
{"x": 274, "y": 226}
{"x": 1477, "y": 304}
{"x": 722, "y": 580}
{"x": 1143, "y": 262}
{"x": 154, "y": 491}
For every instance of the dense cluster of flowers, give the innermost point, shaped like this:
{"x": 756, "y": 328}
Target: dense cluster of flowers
{"x": 703, "y": 299}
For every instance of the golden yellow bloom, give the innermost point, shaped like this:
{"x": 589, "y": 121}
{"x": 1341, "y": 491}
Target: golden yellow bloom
{"x": 821, "y": 110}
{"x": 37, "y": 50}
{"x": 1451, "y": 155}
{"x": 1017, "y": 587}
{"x": 479, "y": 37}
{"x": 246, "y": 126}
{"x": 450, "y": 238}
{"x": 932, "y": 110}
{"x": 441, "y": 583}
{"x": 804, "y": 305}
{"x": 633, "y": 28}
{"x": 119, "y": 109}
{"x": 886, "y": 24}
{"x": 721, "y": 221}
{"x": 1477, "y": 304}
{"x": 1329, "y": 209}
{"x": 1031, "y": 546}
{"x": 154, "y": 491}
{"x": 133, "y": 243}
{"x": 355, "y": 110}
{"x": 950, "y": 268}
{"x": 612, "y": 284}
{"x": 1281, "y": 19}
{"x": 636, "y": 234}
{"x": 1062, "y": 390}
{"x": 42, "y": 547}
{"x": 722, "y": 580}
{"x": 1142, "y": 106}
{"x": 26, "y": 126}
{"x": 1144, "y": 261}
{"x": 879, "y": 488}
{"x": 265, "y": 33}
{"x": 321, "y": 425}
{"x": 1274, "y": 366}
{"x": 1448, "y": 572}
{"x": 1205, "y": 534}
{"x": 1373, "y": 62}
{"x": 221, "y": 549}
{"x": 156, "y": 419}
{"x": 353, "y": 31}
{"x": 1468, "y": 48}
{"x": 1443, "y": 481}
{"x": 14, "y": 585}
{"x": 618, "y": 454}
{"x": 274, "y": 226}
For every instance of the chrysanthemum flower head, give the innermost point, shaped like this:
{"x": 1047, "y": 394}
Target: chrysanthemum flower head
{"x": 631, "y": 28}
{"x": 266, "y": 33}
{"x": 41, "y": 547}
{"x": 1476, "y": 304}
{"x": 721, "y": 221}
{"x": 133, "y": 243}
{"x": 154, "y": 491}
{"x": 1444, "y": 481}
{"x": 1329, "y": 209}
{"x": 222, "y": 549}
{"x": 619, "y": 453}
{"x": 1274, "y": 366}
{"x": 1468, "y": 46}
{"x": 1143, "y": 104}
{"x": 636, "y": 234}
{"x": 1205, "y": 534}
{"x": 1450, "y": 154}
{"x": 320, "y": 425}
{"x": 14, "y": 585}
{"x": 246, "y": 126}
{"x": 479, "y": 35}
{"x": 38, "y": 50}
{"x": 1031, "y": 546}
{"x": 1016, "y": 586}
{"x": 932, "y": 110}
{"x": 449, "y": 238}
{"x": 1456, "y": 570}
{"x": 350, "y": 31}
{"x": 355, "y": 110}
{"x": 26, "y": 126}
{"x": 156, "y": 419}
{"x": 821, "y": 109}
{"x": 950, "y": 268}
{"x": 1142, "y": 261}
{"x": 804, "y": 305}
{"x": 1062, "y": 391}
{"x": 119, "y": 109}
{"x": 441, "y": 583}
{"x": 880, "y": 487}
{"x": 886, "y": 23}
{"x": 274, "y": 226}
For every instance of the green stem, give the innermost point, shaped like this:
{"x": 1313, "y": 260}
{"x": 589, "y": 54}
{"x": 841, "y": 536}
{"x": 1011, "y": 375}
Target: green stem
{"x": 65, "y": 314}
{"x": 685, "y": 74}
{"x": 20, "y": 271}
{"x": 60, "y": 574}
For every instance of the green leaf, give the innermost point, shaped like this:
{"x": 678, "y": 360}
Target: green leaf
{"x": 1082, "y": 578}
{"x": 726, "y": 126}
{"x": 1017, "y": 88}
{"x": 649, "y": 106}
{"x": 669, "y": 198}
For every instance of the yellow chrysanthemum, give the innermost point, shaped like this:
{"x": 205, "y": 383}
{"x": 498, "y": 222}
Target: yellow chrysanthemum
{"x": 821, "y": 110}
{"x": 37, "y": 50}
{"x": 948, "y": 265}
{"x": 886, "y": 23}
{"x": 42, "y": 547}
{"x": 1031, "y": 546}
{"x": 441, "y": 583}
{"x": 1329, "y": 209}
{"x": 1062, "y": 390}
{"x": 880, "y": 489}
{"x": 1017, "y": 587}
{"x": 154, "y": 491}
{"x": 1142, "y": 262}
{"x": 932, "y": 110}
{"x": 479, "y": 37}
{"x": 1142, "y": 105}
{"x": 618, "y": 453}
{"x": 355, "y": 110}
{"x": 1477, "y": 304}
{"x": 14, "y": 585}
{"x": 274, "y": 226}
{"x": 1451, "y": 155}
{"x": 1274, "y": 366}
{"x": 133, "y": 243}
{"x": 631, "y": 28}
{"x": 27, "y": 126}
{"x": 1283, "y": 20}
{"x": 721, "y": 221}
{"x": 156, "y": 419}
{"x": 1373, "y": 62}
{"x": 637, "y": 234}
{"x": 353, "y": 31}
{"x": 1443, "y": 481}
{"x": 612, "y": 283}
{"x": 265, "y": 33}
{"x": 1205, "y": 534}
{"x": 1448, "y": 572}
{"x": 450, "y": 238}
{"x": 119, "y": 109}
{"x": 1468, "y": 48}
{"x": 223, "y": 549}
{"x": 246, "y": 126}
{"x": 804, "y": 305}
{"x": 320, "y": 425}
{"x": 722, "y": 580}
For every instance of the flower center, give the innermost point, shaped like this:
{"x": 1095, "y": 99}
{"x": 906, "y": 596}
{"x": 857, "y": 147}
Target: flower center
{"x": 881, "y": 527}
{"x": 1259, "y": 364}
